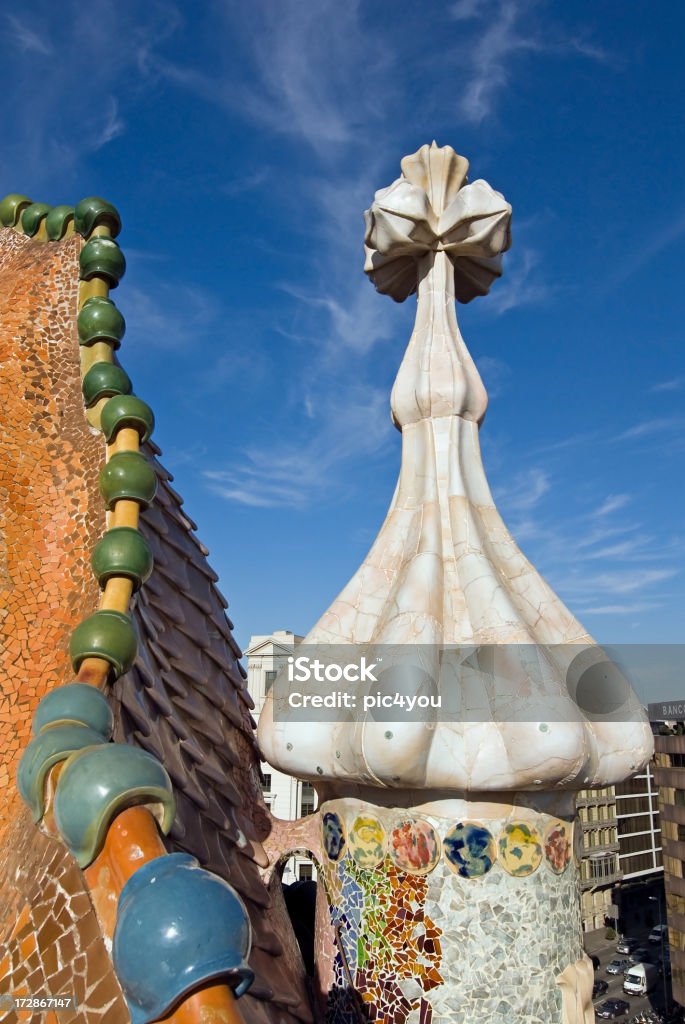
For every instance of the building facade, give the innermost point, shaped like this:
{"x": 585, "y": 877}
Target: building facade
{"x": 670, "y": 777}
{"x": 621, "y": 847}
{"x": 599, "y": 869}
{"x": 639, "y": 828}
{"x": 288, "y": 798}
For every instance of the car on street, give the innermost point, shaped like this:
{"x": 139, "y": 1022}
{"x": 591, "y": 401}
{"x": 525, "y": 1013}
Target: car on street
{"x": 619, "y": 966}
{"x": 643, "y": 955}
{"x": 640, "y": 979}
{"x": 658, "y": 933}
{"x": 612, "y": 1008}
{"x": 599, "y": 988}
{"x": 627, "y": 944}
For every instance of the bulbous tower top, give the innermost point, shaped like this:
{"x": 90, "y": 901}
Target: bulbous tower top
{"x": 444, "y": 573}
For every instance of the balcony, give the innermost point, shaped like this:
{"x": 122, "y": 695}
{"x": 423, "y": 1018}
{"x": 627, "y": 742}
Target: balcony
{"x": 598, "y": 883}
{"x": 589, "y": 826}
{"x": 592, "y": 797}
{"x": 595, "y": 849}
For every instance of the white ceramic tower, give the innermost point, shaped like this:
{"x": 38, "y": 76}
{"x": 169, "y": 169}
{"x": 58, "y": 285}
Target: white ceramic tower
{"x": 448, "y": 838}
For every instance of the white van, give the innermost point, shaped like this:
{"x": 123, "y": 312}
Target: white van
{"x": 640, "y": 979}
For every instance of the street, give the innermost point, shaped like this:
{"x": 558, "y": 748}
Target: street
{"x": 596, "y": 944}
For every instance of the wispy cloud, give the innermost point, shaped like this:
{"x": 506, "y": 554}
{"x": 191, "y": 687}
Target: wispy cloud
{"x": 464, "y": 10}
{"x": 302, "y": 470}
{"x": 168, "y": 315}
{"x": 650, "y": 247}
{"x": 612, "y": 504}
{"x": 629, "y": 581}
{"x": 522, "y": 284}
{"x": 495, "y": 373}
{"x": 111, "y": 126}
{"x": 245, "y": 183}
{"x": 647, "y": 428}
{"x": 355, "y": 323}
{"x": 630, "y": 608}
{"x": 674, "y": 384}
{"x": 597, "y": 560}
{"x": 525, "y": 490}
{"x": 583, "y": 437}
{"x": 26, "y": 39}
{"x": 52, "y": 123}
{"x": 505, "y": 29}
{"x": 315, "y": 70}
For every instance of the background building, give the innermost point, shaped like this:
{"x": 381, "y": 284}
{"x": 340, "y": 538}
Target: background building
{"x": 599, "y": 869}
{"x": 669, "y": 773}
{"x": 622, "y": 857}
{"x": 288, "y": 798}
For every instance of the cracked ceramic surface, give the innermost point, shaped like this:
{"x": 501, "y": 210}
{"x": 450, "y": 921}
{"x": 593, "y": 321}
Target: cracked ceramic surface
{"x": 444, "y": 569}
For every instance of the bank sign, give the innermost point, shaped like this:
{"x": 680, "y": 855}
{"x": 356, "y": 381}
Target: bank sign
{"x": 667, "y": 711}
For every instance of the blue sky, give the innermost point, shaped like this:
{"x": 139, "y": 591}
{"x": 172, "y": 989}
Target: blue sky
{"x": 243, "y": 141}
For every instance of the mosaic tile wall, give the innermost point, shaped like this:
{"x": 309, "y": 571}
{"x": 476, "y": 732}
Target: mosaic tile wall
{"x": 54, "y": 944}
{"x": 439, "y": 920}
{"x": 52, "y": 515}
{"x": 50, "y": 506}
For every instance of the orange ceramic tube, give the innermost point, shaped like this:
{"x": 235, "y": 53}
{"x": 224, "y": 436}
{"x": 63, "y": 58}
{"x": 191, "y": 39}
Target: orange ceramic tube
{"x": 132, "y": 840}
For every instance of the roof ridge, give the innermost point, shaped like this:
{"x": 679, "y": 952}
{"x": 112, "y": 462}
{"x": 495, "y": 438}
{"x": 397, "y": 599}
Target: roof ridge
{"x": 104, "y": 794}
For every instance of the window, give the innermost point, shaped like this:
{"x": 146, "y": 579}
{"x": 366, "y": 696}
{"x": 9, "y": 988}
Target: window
{"x": 306, "y": 872}
{"x": 308, "y": 800}
{"x": 603, "y": 867}
{"x": 269, "y": 679}
{"x": 637, "y": 823}
{"x": 265, "y": 780}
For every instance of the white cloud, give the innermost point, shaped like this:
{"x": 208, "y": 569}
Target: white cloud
{"x": 305, "y": 469}
{"x": 649, "y": 427}
{"x": 612, "y": 503}
{"x": 521, "y": 284}
{"x": 649, "y": 248}
{"x": 525, "y": 491}
{"x": 674, "y": 384}
{"x": 319, "y": 72}
{"x": 245, "y": 183}
{"x": 112, "y": 125}
{"x": 51, "y": 121}
{"x": 27, "y": 40}
{"x": 580, "y": 438}
{"x": 597, "y": 561}
{"x": 495, "y": 373}
{"x": 354, "y": 323}
{"x": 505, "y": 29}
{"x": 465, "y": 10}
{"x": 622, "y": 609}
{"x": 626, "y": 581}
{"x": 169, "y": 315}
